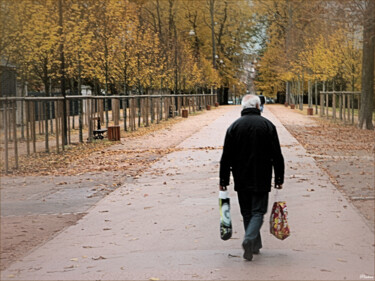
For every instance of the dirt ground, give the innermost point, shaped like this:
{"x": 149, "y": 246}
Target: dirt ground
{"x": 344, "y": 152}
{"x": 35, "y": 192}
{"x": 94, "y": 170}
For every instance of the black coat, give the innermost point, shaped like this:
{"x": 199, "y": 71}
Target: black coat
{"x": 251, "y": 149}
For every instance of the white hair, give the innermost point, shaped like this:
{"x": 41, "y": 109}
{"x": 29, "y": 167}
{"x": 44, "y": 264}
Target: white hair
{"x": 250, "y": 101}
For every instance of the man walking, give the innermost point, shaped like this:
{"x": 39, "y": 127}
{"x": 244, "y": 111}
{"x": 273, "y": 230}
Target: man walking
{"x": 251, "y": 150}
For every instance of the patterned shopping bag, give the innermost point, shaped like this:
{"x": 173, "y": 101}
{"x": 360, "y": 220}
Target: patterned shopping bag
{"x": 225, "y": 220}
{"x": 278, "y": 221}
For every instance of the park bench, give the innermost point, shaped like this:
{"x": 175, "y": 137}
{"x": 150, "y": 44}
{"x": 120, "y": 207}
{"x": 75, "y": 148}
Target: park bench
{"x": 98, "y": 133}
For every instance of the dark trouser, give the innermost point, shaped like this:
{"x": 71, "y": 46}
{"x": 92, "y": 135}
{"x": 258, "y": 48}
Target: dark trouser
{"x": 253, "y": 207}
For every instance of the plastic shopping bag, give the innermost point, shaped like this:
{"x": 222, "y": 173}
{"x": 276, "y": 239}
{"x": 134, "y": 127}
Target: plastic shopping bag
{"x": 225, "y": 220}
{"x": 278, "y": 221}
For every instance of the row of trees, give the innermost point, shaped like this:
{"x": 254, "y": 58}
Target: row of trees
{"x": 119, "y": 45}
{"x": 325, "y": 41}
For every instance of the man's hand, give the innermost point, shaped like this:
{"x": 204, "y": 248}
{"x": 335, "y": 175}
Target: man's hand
{"x": 278, "y": 186}
{"x": 222, "y": 188}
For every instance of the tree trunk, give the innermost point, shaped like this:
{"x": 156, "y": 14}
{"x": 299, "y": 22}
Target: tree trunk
{"x": 80, "y": 102}
{"x": 62, "y": 73}
{"x": 367, "y": 100}
{"x": 212, "y": 15}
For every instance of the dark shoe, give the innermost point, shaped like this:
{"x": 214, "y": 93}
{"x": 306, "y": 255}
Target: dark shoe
{"x": 247, "y": 245}
{"x": 256, "y": 252}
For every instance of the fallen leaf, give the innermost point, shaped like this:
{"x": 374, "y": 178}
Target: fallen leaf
{"x": 233, "y": 256}
{"x": 74, "y": 259}
{"x": 154, "y": 279}
{"x": 325, "y": 270}
{"x": 98, "y": 258}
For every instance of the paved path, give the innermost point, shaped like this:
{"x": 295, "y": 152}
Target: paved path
{"x": 165, "y": 225}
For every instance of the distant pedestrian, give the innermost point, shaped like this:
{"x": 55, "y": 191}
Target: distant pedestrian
{"x": 251, "y": 150}
{"x": 262, "y": 102}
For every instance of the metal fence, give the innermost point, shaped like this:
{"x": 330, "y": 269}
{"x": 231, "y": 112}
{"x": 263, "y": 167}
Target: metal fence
{"x": 340, "y": 105}
{"x": 36, "y": 124}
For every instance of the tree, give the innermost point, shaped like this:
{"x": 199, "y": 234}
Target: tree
{"x": 119, "y": 44}
{"x": 367, "y": 100}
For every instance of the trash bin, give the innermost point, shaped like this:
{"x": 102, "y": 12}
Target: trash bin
{"x": 185, "y": 113}
{"x": 114, "y": 133}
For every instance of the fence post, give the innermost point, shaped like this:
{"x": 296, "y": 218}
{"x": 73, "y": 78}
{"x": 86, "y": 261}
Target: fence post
{"x": 166, "y": 108}
{"x": 134, "y": 111}
{"x": 179, "y": 104}
{"x": 161, "y": 108}
{"x": 27, "y": 107}
{"x": 124, "y": 112}
{"x": 33, "y": 125}
{"x": 68, "y": 119}
{"x": 116, "y": 111}
{"x": 316, "y": 96}
{"x": 57, "y": 127}
{"x": 39, "y": 114}
{"x": 15, "y": 134}
{"x": 152, "y": 110}
{"x": 89, "y": 114}
{"x": 349, "y": 104}
{"x": 147, "y": 108}
{"x": 131, "y": 114}
{"x": 353, "y": 109}
{"x": 157, "y": 104}
{"x": 5, "y": 119}
{"x": 63, "y": 124}
{"x": 45, "y": 104}
{"x": 80, "y": 123}
{"x": 50, "y": 103}
{"x": 22, "y": 119}
{"x": 101, "y": 110}
{"x": 334, "y": 105}
{"x": 142, "y": 104}
{"x": 344, "y": 107}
